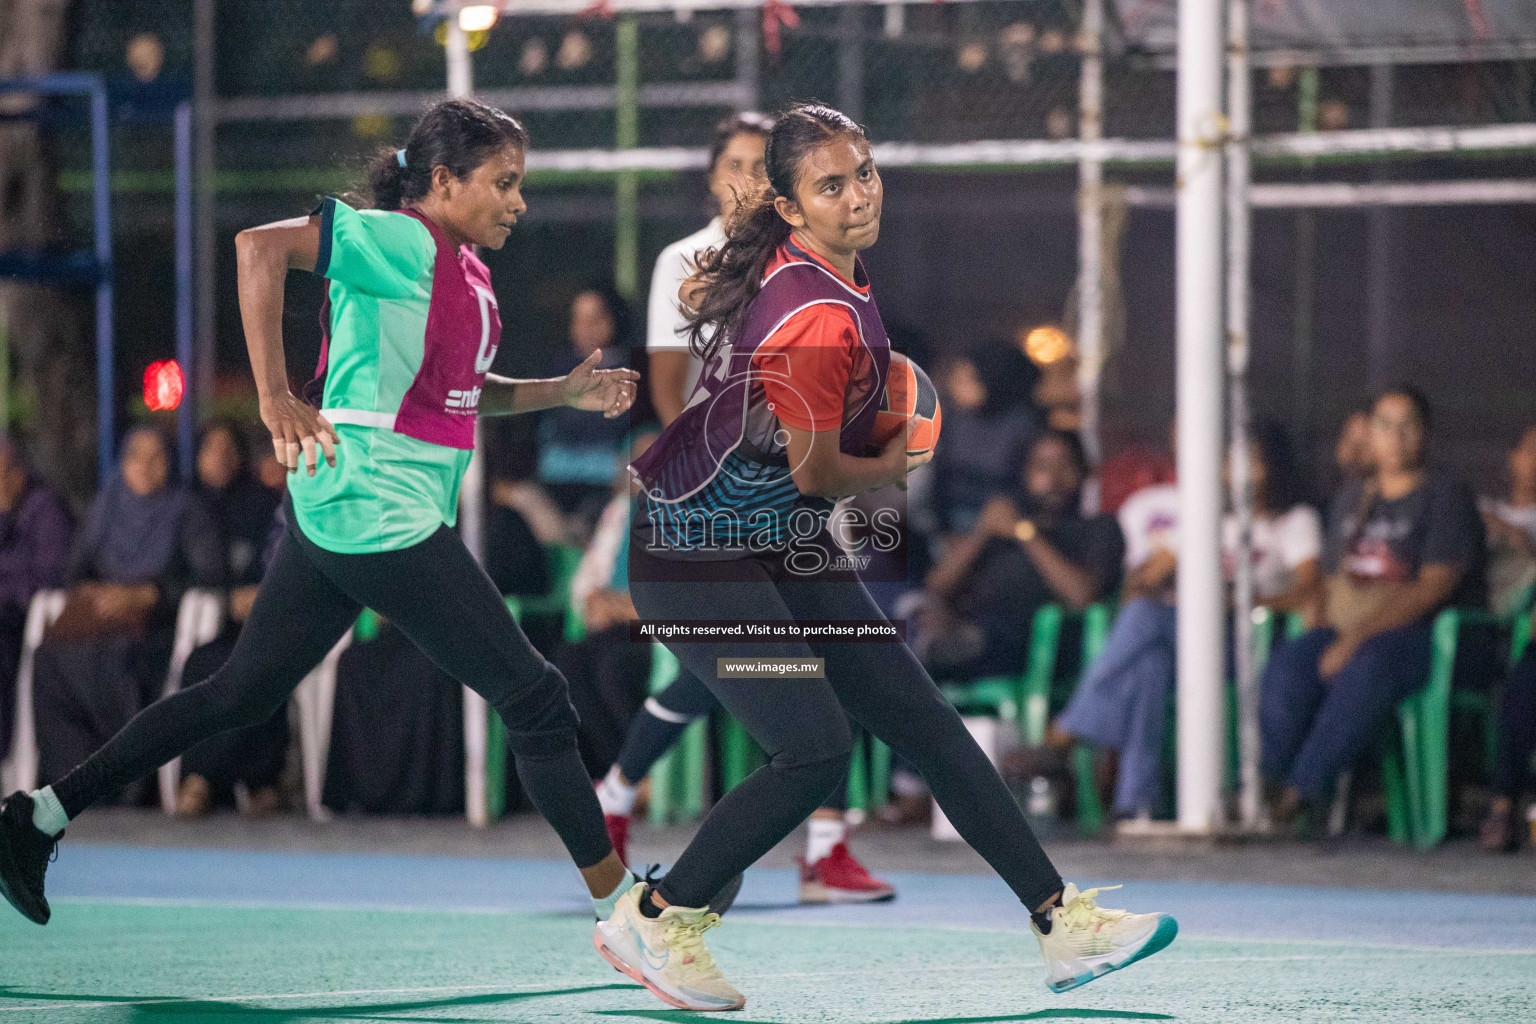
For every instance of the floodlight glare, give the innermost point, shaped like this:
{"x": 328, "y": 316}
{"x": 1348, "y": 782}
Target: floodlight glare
{"x": 478, "y": 18}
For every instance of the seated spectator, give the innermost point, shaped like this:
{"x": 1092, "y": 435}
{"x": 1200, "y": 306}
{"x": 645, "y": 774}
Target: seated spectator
{"x": 1129, "y": 471}
{"x": 579, "y": 453}
{"x": 1401, "y": 545}
{"x": 244, "y": 511}
{"x": 1511, "y": 526}
{"x": 533, "y": 507}
{"x": 989, "y": 421}
{"x": 105, "y": 658}
{"x": 514, "y": 554}
{"x": 397, "y": 731}
{"x": 35, "y": 530}
{"x": 1287, "y": 538}
{"x": 1352, "y": 451}
{"x": 1121, "y": 704}
{"x": 608, "y": 674}
{"x": 1027, "y": 549}
{"x": 1517, "y": 741}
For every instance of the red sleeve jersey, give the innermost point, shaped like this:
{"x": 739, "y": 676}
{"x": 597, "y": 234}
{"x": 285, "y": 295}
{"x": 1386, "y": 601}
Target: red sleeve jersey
{"x": 806, "y": 364}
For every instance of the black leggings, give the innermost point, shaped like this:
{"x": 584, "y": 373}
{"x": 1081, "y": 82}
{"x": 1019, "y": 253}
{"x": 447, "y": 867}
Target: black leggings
{"x": 656, "y": 728}
{"x": 1517, "y": 727}
{"x": 803, "y": 723}
{"x": 443, "y": 601}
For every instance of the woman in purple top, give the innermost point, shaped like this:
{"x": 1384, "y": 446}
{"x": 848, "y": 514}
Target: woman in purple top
{"x": 35, "y": 532}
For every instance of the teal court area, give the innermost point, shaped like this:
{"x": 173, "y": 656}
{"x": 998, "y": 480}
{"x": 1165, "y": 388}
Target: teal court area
{"x": 187, "y": 935}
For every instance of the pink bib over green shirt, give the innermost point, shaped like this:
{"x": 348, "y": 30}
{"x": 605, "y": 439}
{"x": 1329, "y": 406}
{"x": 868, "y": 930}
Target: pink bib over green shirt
{"x": 411, "y": 327}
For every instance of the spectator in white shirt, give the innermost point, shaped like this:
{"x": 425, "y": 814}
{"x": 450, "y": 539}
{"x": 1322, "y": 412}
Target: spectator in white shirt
{"x": 1511, "y": 526}
{"x": 1121, "y": 704}
{"x": 736, "y": 160}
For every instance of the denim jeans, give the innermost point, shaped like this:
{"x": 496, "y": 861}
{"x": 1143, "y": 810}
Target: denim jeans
{"x": 1312, "y": 729}
{"x": 1122, "y": 701}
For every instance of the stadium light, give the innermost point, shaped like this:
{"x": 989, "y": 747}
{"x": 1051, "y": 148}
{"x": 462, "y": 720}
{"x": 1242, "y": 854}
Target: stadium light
{"x": 164, "y": 385}
{"x": 479, "y": 18}
{"x": 1047, "y": 345}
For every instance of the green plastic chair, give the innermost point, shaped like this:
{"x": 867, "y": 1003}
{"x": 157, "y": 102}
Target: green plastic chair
{"x": 868, "y": 776}
{"x": 1520, "y": 638}
{"x": 869, "y": 771}
{"x": 367, "y": 626}
{"x": 677, "y": 778}
{"x": 562, "y": 560}
{"x": 1091, "y": 810}
{"x": 1416, "y": 776}
{"x": 1025, "y": 699}
{"x": 1415, "y": 772}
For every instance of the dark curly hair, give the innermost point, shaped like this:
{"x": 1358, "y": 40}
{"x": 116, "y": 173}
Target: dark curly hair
{"x": 733, "y": 273}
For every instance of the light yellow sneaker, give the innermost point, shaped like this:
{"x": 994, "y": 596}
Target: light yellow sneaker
{"x": 1087, "y": 941}
{"x": 666, "y": 954}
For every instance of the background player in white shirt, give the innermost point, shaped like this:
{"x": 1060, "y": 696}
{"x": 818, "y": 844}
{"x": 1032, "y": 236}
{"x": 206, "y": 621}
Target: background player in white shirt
{"x": 735, "y": 168}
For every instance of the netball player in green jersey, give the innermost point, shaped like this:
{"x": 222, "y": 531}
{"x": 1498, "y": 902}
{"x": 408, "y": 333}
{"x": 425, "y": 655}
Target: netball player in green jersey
{"x": 411, "y": 329}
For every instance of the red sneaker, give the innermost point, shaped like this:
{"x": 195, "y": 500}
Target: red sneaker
{"x": 618, "y": 834}
{"x": 839, "y": 878}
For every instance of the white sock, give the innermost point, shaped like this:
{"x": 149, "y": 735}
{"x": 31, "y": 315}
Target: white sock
{"x": 48, "y": 815}
{"x": 603, "y": 908}
{"x": 616, "y": 796}
{"x": 824, "y": 834}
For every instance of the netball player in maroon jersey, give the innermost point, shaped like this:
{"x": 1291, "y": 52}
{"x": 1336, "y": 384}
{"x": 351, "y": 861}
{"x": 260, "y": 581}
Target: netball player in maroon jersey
{"x": 731, "y": 525}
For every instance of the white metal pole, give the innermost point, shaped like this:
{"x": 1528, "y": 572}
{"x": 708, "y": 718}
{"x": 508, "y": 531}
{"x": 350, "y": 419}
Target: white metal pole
{"x": 1090, "y": 225}
{"x": 471, "y": 511}
{"x": 1380, "y": 341}
{"x": 748, "y": 66}
{"x": 1344, "y": 195}
{"x": 1198, "y": 259}
{"x": 1239, "y": 243}
{"x": 461, "y": 80}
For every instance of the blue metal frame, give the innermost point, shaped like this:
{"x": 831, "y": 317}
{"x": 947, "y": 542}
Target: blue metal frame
{"x": 81, "y": 84}
{"x": 185, "y": 418}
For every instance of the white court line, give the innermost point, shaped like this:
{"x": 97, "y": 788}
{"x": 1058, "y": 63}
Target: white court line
{"x": 743, "y": 916}
{"x": 863, "y": 972}
{"x": 423, "y": 990}
{"x": 179, "y": 903}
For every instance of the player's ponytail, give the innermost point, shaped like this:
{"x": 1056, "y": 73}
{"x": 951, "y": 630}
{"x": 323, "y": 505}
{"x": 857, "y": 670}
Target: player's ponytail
{"x": 733, "y": 273}
{"x": 459, "y": 134}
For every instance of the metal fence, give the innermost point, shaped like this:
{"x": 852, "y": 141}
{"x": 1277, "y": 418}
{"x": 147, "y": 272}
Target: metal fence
{"x": 956, "y": 92}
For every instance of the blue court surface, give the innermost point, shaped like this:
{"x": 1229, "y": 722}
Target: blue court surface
{"x": 142, "y": 935}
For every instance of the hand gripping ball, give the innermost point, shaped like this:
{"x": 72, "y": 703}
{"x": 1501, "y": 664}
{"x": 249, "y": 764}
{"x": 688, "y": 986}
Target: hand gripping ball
{"x": 907, "y": 391}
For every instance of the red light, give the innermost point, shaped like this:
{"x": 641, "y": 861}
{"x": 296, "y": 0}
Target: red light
{"x": 163, "y": 385}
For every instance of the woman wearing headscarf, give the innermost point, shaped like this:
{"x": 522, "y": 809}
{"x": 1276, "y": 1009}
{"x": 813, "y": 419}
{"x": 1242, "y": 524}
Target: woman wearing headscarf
{"x": 579, "y": 454}
{"x": 35, "y": 530}
{"x": 243, "y": 510}
{"x": 144, "y": 544}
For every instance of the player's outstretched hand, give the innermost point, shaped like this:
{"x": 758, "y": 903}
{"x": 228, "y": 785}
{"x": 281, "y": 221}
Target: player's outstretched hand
{"x": 610, "y": 392}
{"x": 299, "y": 432}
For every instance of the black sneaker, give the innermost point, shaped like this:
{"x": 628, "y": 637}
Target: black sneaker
{"x": 723, "y": 899}
{"x": 25, "y": 853}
